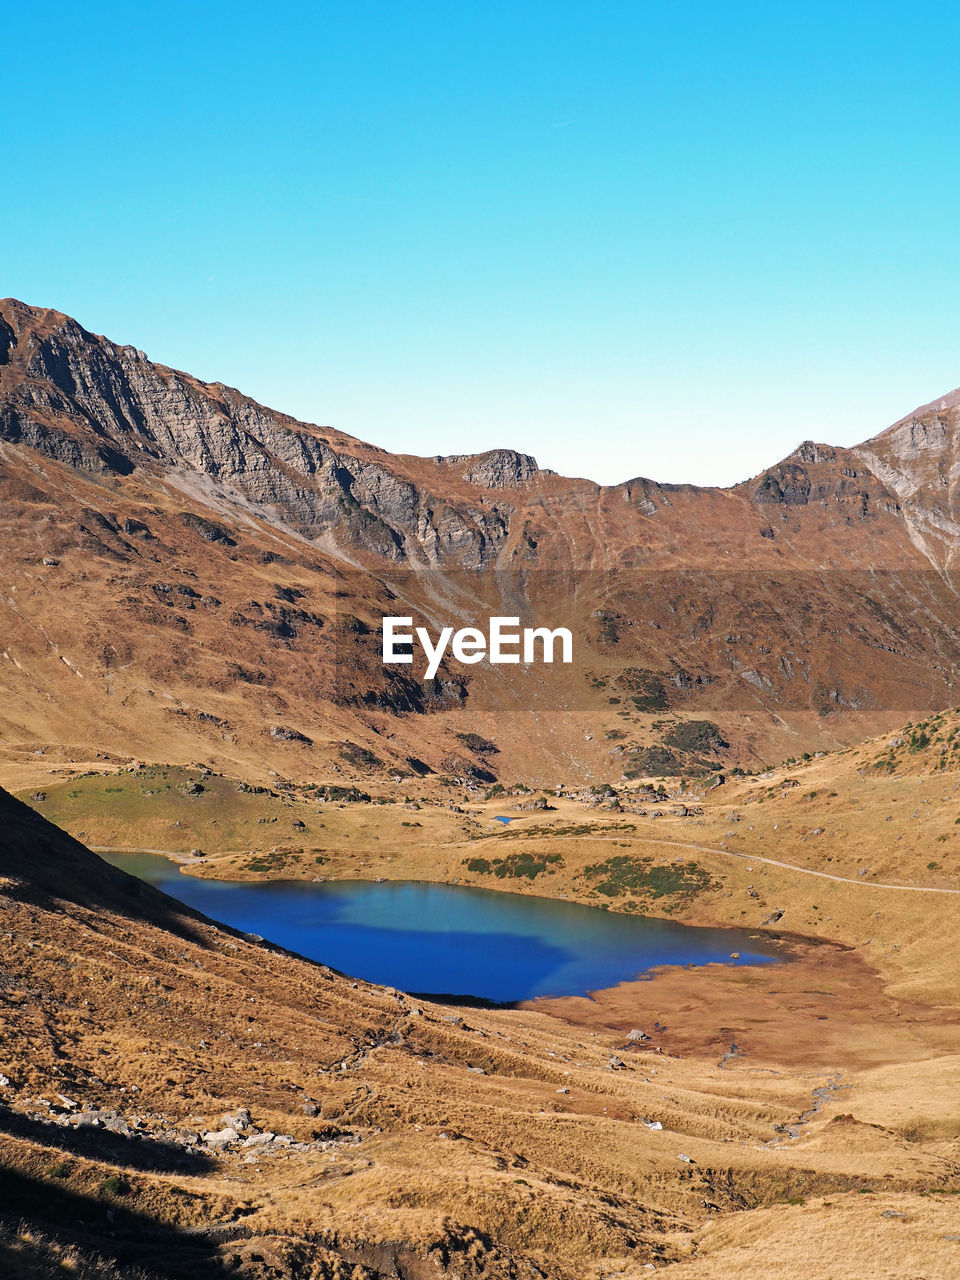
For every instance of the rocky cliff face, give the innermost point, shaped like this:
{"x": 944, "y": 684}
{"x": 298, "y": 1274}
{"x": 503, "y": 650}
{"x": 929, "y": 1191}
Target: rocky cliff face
{"x": 822, "y": 474}
{"x": 498, "y": 469}
{"x": 918, "y": 459}
{"x": 85, "y": 401}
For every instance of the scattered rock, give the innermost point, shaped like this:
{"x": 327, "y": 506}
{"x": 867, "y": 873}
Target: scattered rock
{"x": 209, "y": 530}
{"x": 259, "y": 1139}
{"x": 284, "y": 734}
{"x": 537, "y": 803}
{"x": 221, "y": 1137}
{"x": 239, "y": 1119}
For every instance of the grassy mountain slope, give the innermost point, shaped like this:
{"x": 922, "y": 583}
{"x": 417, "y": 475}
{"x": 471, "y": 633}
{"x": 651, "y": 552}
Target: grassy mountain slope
{"x": 418, "y": 1139}
{"x": 185, "y": 567}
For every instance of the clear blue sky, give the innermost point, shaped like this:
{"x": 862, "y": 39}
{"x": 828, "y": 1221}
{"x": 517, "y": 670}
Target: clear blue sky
{"x": 632, "y": 239}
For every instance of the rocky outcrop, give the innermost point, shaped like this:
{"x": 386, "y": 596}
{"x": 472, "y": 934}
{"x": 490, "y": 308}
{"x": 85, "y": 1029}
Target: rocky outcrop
{"x": 89, "y": 403}
{"x": 497, "y": 469}
{"x": 788, "y": 484}
{"x": 8, "y": 339}
{"x": 86, "y": 455}
{"x": 918, "y": 460}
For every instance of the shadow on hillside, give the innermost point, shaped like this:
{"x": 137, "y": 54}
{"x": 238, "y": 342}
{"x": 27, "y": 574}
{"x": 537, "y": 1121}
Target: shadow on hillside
{"x": 108, "y": 1225}
{"x": 48, "y": 865}
{"x": 463, "y": 1002}
{"x": 102, "y": 1144}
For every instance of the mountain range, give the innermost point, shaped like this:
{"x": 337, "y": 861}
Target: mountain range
{"x": 183, "y": 565}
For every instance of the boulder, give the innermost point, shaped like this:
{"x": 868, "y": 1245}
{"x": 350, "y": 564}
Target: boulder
{"x": 221, "y": 1137}
{"x": 259, "y": 1139}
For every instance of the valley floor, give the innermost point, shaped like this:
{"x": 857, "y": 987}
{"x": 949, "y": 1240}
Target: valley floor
{"x": 797, "y": 1119}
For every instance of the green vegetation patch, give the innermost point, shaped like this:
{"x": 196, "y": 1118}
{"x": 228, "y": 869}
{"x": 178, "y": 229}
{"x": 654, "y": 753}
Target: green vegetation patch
{"x": 645, "y": 689}
{"x": 626, "y": 874}
{"x": 272, "y": 860}
{"x": 520, "y": 866}
{"x": 569, "y": 829}
{"x": 173, "y": 807}
{"x": 695, "y": 735}
{"x": 608, "y": 629}
{"x": 359, "y": 756}
{"x": 114, "y": 1185}
{"x": 652, "y": 762}
{"x": 345, "y": 795}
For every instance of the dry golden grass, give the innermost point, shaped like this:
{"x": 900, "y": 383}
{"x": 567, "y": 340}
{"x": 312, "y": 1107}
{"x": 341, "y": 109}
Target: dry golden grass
{"x": 499, "y": 1171}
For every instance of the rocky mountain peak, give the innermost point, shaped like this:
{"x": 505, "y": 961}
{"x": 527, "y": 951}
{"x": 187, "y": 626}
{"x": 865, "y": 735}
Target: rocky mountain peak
{"x": 104, "y": 408}
{"x": 495, "y": 469}
{"x": 918, "y": 459}
{"x": 92, "y": 404}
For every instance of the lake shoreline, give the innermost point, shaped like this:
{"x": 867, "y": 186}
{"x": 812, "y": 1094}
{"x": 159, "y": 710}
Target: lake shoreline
{"x": 476, "y": 943}
{"x": 206, "y": 867}
{"x": 808, "y": 1013}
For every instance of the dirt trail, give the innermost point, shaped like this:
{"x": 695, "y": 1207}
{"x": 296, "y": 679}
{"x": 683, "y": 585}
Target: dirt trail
{"x": 789, "y": 866}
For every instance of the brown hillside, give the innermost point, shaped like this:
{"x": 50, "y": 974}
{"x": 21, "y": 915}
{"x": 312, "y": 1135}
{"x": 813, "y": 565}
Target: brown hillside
{"x": 148, "y": 1055}
{"x": 188, "y": 575}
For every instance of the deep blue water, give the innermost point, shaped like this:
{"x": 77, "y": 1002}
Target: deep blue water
{"x": 449, "y": 939}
